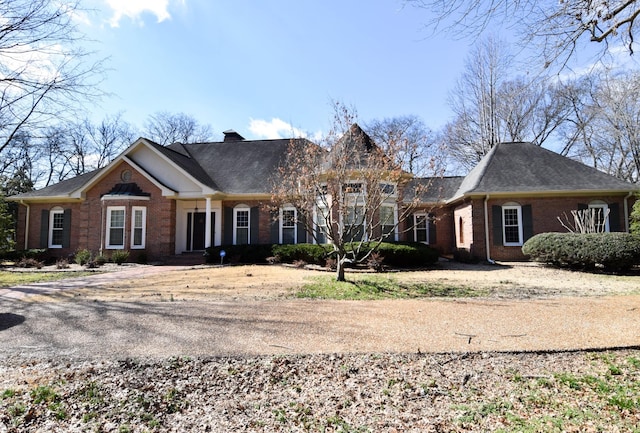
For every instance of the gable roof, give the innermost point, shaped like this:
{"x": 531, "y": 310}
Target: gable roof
{"x": 238, "y": 167}
{"x": 528, "y": 168}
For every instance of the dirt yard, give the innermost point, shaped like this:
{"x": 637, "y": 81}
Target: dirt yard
{"x": 263, "y": 282}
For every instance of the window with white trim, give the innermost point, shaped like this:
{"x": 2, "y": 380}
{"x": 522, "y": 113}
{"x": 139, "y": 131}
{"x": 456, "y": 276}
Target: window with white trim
{"x": 512, "y": 225}
{"x": 354, "y": 228}
{"x": 115, "y": 227}
{"x": 288, "y": 218}
{"x": 322, "y": 216}
{"x": 388, "y": 222}
{"x": 241, "y": 225}
{"x": 138, "y": 227}
{"x": 600, "y": 216}
{"x": 421, "y": 227}
{"x": 56, "y": 228}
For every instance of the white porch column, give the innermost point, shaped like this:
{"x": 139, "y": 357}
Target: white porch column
{"x": 207, "y": 224}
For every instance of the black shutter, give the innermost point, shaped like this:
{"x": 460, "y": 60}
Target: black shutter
{"x": 227, "y": 238}
{"x": 66, "y": 228}
{"x": 433, "y": 239}
{"x": 302, "y": 232}
{"x": 614, "y": 217}
{"x": 527, "y": 222}
{"x": 582, "y": 206}
{"x": 44, "y": 229}
{"x": 496, "y": 216}
{"x": 254, "y": 218}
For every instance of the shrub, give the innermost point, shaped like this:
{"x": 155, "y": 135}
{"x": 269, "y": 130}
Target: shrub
{"x": 83, "y": 257}
{"x": 29, "y": 262}
{"x": 407, "y": 255}
{"x": 310, "y": 253}
{"x": 464, "y": 256}
{"x": 613, "y": 251}
{"x": 239, "y": 253}
{"x": 119, "y": 256}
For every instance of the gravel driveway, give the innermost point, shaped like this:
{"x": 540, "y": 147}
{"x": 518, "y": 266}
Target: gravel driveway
{"x": 99, "y": 330}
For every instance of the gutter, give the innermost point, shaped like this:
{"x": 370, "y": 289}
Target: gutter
{"x": 26, "y": 224}
{"x": 626, "y": 211}
{"x": 486, "y": 230}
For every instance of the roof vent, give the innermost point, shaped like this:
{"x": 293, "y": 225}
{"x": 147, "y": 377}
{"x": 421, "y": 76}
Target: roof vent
{"x": 231, "y": 135}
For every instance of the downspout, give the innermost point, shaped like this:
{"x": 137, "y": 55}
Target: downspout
{"x": 26, "y": 224}
{"x": 486, "y": 230}
{"x": 626, "y": 211}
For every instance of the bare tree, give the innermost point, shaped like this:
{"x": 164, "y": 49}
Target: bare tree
{"x": 604, "y": 128}
{"x": 557, "y": 28}
{"x": 411, "y": 141}
{"x": 43, "y": 70}
{"x": 492, "y": 107}
{"x": 165, "y": 128}
{"x": 349, "y": 192}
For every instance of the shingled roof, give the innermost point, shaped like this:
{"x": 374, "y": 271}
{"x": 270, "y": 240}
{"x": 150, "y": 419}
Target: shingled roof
{"x": 237, "y": 167}
{"x": 528, "y": 168}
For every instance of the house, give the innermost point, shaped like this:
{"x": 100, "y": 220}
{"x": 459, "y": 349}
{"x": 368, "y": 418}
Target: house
{"x": 164, "y": 201}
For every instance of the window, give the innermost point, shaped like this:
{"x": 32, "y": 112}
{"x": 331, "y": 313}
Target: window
{"x": 56, "y": 228}
{"x": 512, "y": 225}
{"x": 388, "y": 222}
{"x": 460, "y": 231}
{"x": 352, "y": 188}
{"x": 354, "y": 224}
{"x": 138, "y": 226}
{"x": 421, "y": 228}
{"x": 387, "y": 189}
{"x": 115, "y": 227}
{"x": 241, "y": 226}
{"x": 288, "y": 226}
{"x": 321, "y": 224}
{"x": 600, "y": 215}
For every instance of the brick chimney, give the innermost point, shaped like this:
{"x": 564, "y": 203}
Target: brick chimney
{"x": 231, "y": 135}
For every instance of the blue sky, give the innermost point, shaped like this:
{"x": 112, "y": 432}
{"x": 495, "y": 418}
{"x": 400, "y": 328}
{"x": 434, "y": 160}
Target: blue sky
{"x": 262, "y": 68}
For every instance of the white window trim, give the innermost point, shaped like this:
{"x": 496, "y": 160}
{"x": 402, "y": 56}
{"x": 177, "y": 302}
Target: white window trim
{"x": 520, "y": 234}
{"x": 601, "y": 205}
{"x": 395, "y": 220}
{"x": 426, "y": 229}
{"x": 52, "y": 213}
{"x": 241, "y": 208}
{"x": 295, "y": 223}
{"x": 108, "y": 234}
{"x": 385, "y": 194}
{"x": 321, "y": 223}
{"x": 143, "y": 209}
{"x": 344, "y": 220}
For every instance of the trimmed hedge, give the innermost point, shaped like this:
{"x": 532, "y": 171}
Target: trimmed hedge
{"x": 239, "y": 253}
{"x": 615, "y": 252}
{"x": 402, "y": 255}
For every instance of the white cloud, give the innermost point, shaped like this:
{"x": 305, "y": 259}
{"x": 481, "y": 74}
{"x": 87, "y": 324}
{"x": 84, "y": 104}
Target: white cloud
{"x": 135, "y": 8}
{"x": 275, "y": 128}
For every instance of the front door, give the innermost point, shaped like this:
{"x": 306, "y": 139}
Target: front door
{"x": 196, "y": 230}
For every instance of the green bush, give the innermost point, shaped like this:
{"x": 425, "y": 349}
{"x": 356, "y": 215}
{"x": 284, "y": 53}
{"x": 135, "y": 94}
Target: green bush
{"x": 239, "y": 253}
{"x": 83, "y": 257}
{"x": 119, "y": 256}
{"x": 309, "y": 253}
{"x": 614, "y": 252}
{"x": 407, "y": 254}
